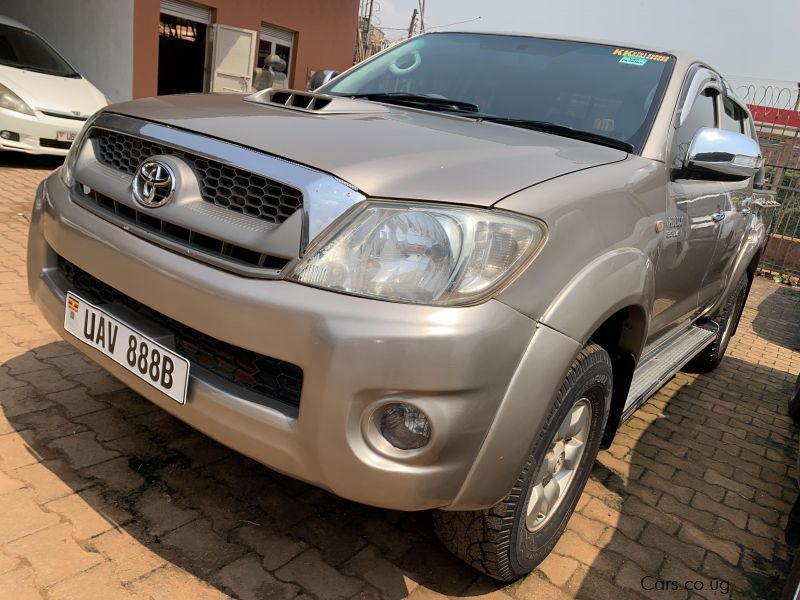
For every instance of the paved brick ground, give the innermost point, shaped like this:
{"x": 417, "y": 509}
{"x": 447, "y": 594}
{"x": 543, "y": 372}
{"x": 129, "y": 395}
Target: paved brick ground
{"x": 104, "y": 496}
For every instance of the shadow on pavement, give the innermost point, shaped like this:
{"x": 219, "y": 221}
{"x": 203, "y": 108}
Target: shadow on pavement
{"x": 777, "y": 316}
{"x": 201, "y": 506}
{"x": 697, "y": 486}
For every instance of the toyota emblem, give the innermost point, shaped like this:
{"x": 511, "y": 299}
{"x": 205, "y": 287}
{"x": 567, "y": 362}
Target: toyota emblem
{"x": 153, "y": 184}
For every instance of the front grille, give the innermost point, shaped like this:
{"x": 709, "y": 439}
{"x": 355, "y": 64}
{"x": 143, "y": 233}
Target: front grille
{"x": 186, "y": 237}
{"x": 272, "y": 378}
{"x": 230, "y": 187}
{"x": 50, "y": 113}
{"x": 48, "y": 143}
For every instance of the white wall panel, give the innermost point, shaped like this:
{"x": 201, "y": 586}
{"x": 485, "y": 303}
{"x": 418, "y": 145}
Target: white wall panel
{"x": 95, "y": 36}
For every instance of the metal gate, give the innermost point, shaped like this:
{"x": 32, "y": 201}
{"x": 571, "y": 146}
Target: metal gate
{"x": 776, "y": 113}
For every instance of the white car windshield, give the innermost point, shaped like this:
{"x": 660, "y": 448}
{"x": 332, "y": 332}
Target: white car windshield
{"x": 23, "y": 49}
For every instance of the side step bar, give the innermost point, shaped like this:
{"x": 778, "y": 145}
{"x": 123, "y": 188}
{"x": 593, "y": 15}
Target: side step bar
{"x": 656, "y": 370}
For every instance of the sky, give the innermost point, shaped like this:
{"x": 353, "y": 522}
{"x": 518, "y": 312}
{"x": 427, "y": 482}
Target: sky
{"x": 744, "y": 39}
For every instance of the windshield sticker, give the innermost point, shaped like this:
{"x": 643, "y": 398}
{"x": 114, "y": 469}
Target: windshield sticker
{"x": 633, "y": 60}
{"x": 640, "y": 54}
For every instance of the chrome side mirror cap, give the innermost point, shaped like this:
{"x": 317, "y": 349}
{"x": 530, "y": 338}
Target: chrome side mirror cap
{"x": 722, "y": 152}
{"x": 320, "y": 78}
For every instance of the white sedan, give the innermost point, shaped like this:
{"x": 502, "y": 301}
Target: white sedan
{"x": 43, "y": 100}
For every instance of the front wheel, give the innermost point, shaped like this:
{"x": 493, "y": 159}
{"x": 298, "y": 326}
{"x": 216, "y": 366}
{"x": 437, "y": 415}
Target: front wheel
{"x": 508, "y": 540}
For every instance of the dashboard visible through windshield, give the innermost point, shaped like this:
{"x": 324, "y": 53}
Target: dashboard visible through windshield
{"x": 601, "y": 90}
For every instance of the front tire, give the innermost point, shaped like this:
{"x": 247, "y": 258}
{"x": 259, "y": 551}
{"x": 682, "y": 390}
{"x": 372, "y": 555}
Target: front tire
{"x": 508, "y": 540}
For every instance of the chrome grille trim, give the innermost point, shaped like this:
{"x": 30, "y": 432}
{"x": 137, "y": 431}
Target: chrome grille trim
{"x": 60, "y": 115}
{"x": 230, "y": 187}
{"x": 325, "y": 197}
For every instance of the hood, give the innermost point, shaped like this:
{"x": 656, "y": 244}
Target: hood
{"x": 52, "y": 93}
{"x": 393, "y": 153}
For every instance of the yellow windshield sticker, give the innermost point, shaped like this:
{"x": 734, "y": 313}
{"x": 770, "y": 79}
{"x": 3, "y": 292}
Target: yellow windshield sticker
{"x": 640, "y": 54}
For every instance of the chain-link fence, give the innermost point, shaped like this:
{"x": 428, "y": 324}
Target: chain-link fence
{"x": 776, "y": 112}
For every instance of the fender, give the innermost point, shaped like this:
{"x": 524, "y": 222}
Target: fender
{"x": 616, "y": 280}
{"x": 523, "y": 411}
{"x": 620, "y": 278}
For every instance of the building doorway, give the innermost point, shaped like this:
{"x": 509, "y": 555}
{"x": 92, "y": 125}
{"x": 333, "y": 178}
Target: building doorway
{"x": 182, "y": 56}
{"x": 274, "y": 40}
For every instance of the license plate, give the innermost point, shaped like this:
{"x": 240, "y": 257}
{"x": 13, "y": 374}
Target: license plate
{"x": 145, "y": 358}
{"x": 66, "y": 136}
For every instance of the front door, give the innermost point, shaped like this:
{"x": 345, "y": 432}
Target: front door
{"x": 691, "y": 227}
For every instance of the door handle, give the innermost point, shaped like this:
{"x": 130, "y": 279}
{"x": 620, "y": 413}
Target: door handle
{"x": 717, "y": 217}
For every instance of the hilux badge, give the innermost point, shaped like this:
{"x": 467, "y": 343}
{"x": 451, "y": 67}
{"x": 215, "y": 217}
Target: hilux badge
{"x": 153, "y": 184}
{"x": 674, "y": 227}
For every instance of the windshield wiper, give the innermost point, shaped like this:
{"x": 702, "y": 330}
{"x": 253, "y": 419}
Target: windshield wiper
{"x": 419, "y": 100}
{"x": 36, "y": 69}
{"x": 72, "y": 75}
{"x": 566, "y": 131}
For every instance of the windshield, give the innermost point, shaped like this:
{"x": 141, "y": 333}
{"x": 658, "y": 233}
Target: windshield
{"x": 605, "y": 90}
{"x": 24, "y": 49}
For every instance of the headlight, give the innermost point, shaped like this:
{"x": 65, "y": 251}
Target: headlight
{"x": 11, "y": 101}
{"x": 421, "y": 253}
{"x": 67, "y": 170}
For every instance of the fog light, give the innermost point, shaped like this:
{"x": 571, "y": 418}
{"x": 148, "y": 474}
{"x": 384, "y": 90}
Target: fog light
{"x": 9, "y": 135}
{"x": 404, "y": 426}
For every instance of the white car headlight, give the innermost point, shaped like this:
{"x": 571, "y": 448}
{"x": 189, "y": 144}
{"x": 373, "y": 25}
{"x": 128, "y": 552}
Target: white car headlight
{"x": 421, "y": 253}
{"x": 11, "y": 101}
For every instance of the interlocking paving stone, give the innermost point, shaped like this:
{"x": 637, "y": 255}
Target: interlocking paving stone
{"x": 53, "y": 554}
{"x": 105, "y": 495}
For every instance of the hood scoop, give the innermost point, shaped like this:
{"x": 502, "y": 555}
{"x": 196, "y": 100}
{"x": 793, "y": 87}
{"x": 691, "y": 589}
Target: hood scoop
{"x": 310, "y": 102}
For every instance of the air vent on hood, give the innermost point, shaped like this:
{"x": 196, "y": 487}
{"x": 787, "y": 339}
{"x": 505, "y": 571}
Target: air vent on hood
{"x": 316, "y": 103}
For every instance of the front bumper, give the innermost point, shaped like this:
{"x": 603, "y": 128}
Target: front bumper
{"x": 460, "y": 365}
{"x": 37, "y": 134}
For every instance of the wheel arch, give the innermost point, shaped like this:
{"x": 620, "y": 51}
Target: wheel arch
{"x": 752, "y": 268}
{"x": 621, "y": 286}
{"x": 746, "y": 263}
{"x": 610, "y": 284}
{"x": 622, "y": 336}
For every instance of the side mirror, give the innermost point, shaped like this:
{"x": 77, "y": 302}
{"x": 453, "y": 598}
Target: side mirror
{"x": 723, "y": 153}
{"x": 320, "y": 78}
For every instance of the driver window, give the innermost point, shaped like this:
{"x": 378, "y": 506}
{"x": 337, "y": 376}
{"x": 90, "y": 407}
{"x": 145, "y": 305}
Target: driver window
{"x": 702, "y": 114}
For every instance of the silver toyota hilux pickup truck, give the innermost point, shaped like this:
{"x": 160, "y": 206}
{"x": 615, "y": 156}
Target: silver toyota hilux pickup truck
{"x": 441, "y": 281}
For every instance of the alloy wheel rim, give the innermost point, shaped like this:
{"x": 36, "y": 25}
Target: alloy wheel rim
{"x": 557, "y": 471}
